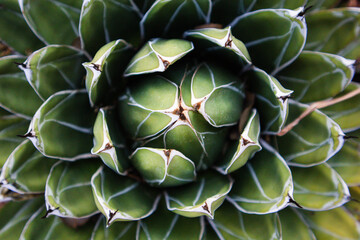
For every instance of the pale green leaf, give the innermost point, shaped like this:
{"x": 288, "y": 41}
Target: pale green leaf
{"x": 118, "y": 230}
{"x": 293, "y": 226}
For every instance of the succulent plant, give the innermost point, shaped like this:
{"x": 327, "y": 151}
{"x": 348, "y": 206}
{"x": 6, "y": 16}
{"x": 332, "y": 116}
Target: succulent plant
{"x": 202, "y": 119}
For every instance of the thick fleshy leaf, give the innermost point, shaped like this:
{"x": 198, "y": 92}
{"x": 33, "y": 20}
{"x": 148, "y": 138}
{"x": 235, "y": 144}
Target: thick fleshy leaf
{"x": 202, "y": 197}
{"x": 118, "y": 230}
{"x": 15, "y": 31}
{"x": 334, "y": 224}
{"x": 164, "y": 224}
{"x": 14, "y": 215}
{"x": 121, "y": 198}
{"x": 271, "y": 100}
{"x": 246, "y": 147}
{"x": 354, "y": 204}
{"x": 172, "y": 18}
{"x": 163, "y": 167}
{"x": 330, "y": 190}
{"x": 26, "y": 170}
{"x": 293, "y": 226}
{"x": 109, "y": 143}
{"x": 272, "y": 48}
{"x": 53, "y": 22}
{"x": 346, "y": 113}
{"x": 259, "y": 190}
{"x": 229, "y": 223}
{"x": 12, "y": 85}
{"x": 314, "y": 140}
{"x": 104, "y": 21}
{"x": 157, "y": 55}
{"x": 347, "y": 163}
{"x": 332, "y": 71}
{"x": 54, "y": 68}
{"x": 321, "y": 4}
{"x": 53, "y": 228}
{"x": 10, "y": 127}
{"x": 66, "y": 182}
{"x": 335, "y": 31}
{"x": 59, "y": 133}
{"x": 105, "y": 70}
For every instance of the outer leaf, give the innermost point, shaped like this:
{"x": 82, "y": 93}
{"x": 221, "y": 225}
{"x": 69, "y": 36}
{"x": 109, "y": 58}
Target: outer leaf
{"x": 247, "y": 146}
{"x": 157, "y": 55}
{"x": 109, "y": 142}
{"x": 331, "y": 70}
{"x": 121, "y": 198}
{"x": 322, "y": 4}
{"x": 347, "y": 163}
{"x": 105, "y": 70}
{"x": 335, "y": 31}
{"x": 258, "y": 190}
{"x": 26, "y": 170}
{"x": 293, "y": 226}
{"x": 43, "y": 15}
{"x": 330, "y": 190}
{"x": 354, "y": 204}
{"x": 230, "y": 224}
{"x": 322, "y": 224}
{"x": 314, "y": 140}
{"x": 104, "y": 21}
{"x": 202, "y": 197}
{"x": 163, "y": 167}
{"x": 15, "y": 31}
{"x": 271, "y": 100}
{"x": 118, "y": 230}
{"x": 272, "y": 48}
{"x": 164, "y": 224}
{"x": 12, "y": 84}
{"x": 54, "y": 68}
{"x": 346, "y": 113}
{"x": 70, "y": 135}
{"x": 14, "y": 215}
{"x": 53, "y": 228}
{"x": 67, "y": 181}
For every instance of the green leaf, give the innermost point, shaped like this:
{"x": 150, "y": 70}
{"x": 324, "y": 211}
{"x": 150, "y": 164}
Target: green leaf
{"x": 202, "y": 197}
{"x": 66, "y": 182}
{"x": 109, "y": 142}
{"x": 346, "y": 113}
{"x": 321, "y": 4}
{"x": 53, "y": 22}
{"x": 258, "y": 190}
{"x": 104, "y": 21}
{"x": 15, "y": 31}
{"x": 347, "y": 163}
{"x": 53, "y": 228}
{"x": 314, "y": 140}
{"x": 330, "y": 190}
{"x": 163, "y": 167}
{"x": 164, "y": 224}
{"x": 334, "y": 31}
{"x": 12, "y": 85}
{"x": 271, "y": 100}
{"x": 105, "y": 70}
{"x": 14, "y": 215}
{"x": 331, "y": 70}
{"x": 293, "y": 226}
{"x": 118, "y": 230}
{"x": 322, "y": 224}
{"x": 26, "y": 169}
{"x": 229, "y": 223}
{"x": 121, "y": 198}
{"x": 172, "y": 18}
{"x": 58, "y": 133}
{"x": 54, "y": 68}
{"x": 246, "y": 147}
{"x": 157, "y": 55}
{"x": 10, "y": 127}
{"x": 271, "y": 48}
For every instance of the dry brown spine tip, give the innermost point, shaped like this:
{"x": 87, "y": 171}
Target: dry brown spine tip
{"x": 49, "y": 211}
{"x": 96, "y": 67}
{"x": 111, "y": 216}
{"x": 29, "y": 134}
{"x": 20, "y": 64}
{"x": 206, "y": 207}
{"x": 246, "y": 142}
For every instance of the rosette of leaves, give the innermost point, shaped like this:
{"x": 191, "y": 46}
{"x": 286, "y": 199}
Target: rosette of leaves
{"x": 180, "y": 119}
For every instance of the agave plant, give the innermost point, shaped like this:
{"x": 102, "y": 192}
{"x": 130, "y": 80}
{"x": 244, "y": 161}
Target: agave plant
{"x": 202, "y": 119}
